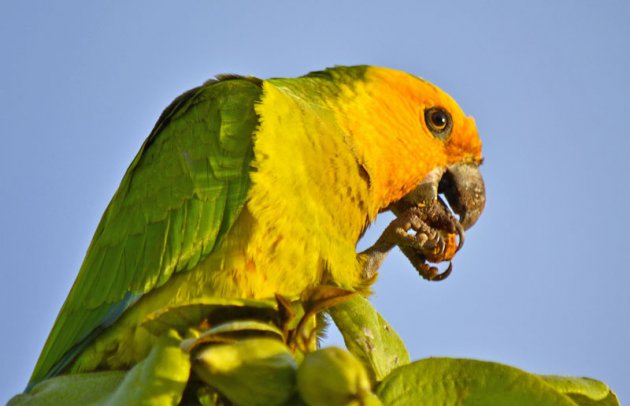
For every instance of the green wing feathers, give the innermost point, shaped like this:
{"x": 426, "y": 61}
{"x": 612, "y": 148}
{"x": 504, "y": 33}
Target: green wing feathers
{"x": 180, "y": 195}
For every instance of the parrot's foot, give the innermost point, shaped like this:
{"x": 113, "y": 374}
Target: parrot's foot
{"x": 426, "y": 234}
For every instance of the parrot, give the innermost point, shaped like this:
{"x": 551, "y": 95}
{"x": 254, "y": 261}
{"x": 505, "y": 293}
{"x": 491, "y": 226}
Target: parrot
{"x": 248, "y": 188}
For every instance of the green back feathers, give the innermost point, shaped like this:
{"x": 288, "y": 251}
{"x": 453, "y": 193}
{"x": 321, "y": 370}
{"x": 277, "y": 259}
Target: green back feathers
{"x": 179, "y": 197}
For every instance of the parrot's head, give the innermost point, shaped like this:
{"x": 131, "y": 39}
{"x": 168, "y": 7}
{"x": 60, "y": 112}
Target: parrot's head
{"x": 415, "y": 144}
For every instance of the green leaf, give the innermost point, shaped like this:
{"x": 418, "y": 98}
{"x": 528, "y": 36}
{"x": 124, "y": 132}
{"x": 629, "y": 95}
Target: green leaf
{"x": 70, "y": 390}
{"x": 369, "y": 337}
{"x": 446, "y": 381}
{"x": 583, "y": 391}
{"x": 581, "y": 400}
{"x": 159, "y": 379}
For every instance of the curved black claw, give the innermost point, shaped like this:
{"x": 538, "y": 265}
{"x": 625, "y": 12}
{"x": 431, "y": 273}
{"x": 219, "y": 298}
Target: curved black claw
{"x": 459, "y": 229}
{"x": 425, "y": 269}
{"x": 441, "y": 276}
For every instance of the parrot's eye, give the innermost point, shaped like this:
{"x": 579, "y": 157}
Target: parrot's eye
{"x": 439, "y": 122}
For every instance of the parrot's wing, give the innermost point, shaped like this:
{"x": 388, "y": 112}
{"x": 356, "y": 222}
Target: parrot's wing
{"x": 179, "y": 197}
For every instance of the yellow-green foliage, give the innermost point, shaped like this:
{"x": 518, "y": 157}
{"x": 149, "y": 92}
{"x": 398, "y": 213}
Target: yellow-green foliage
{"x": 259, "y": 369}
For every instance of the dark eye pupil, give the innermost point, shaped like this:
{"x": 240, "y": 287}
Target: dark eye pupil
{"x": 439, "y": 119}
{"x": 439, "y": 122}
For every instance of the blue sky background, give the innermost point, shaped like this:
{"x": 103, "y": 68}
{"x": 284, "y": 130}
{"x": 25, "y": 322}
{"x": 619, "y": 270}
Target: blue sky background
{"x": 543, "y": 280}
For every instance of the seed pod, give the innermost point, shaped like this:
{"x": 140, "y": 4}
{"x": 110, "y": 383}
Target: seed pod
{"x": 333, "y": 376}
{"x": 256, "y": 371}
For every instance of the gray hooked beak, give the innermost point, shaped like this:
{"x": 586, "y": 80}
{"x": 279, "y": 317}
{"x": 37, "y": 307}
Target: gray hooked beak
{"x": 463, "y": 187}
{"x": 461, "y": 184}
